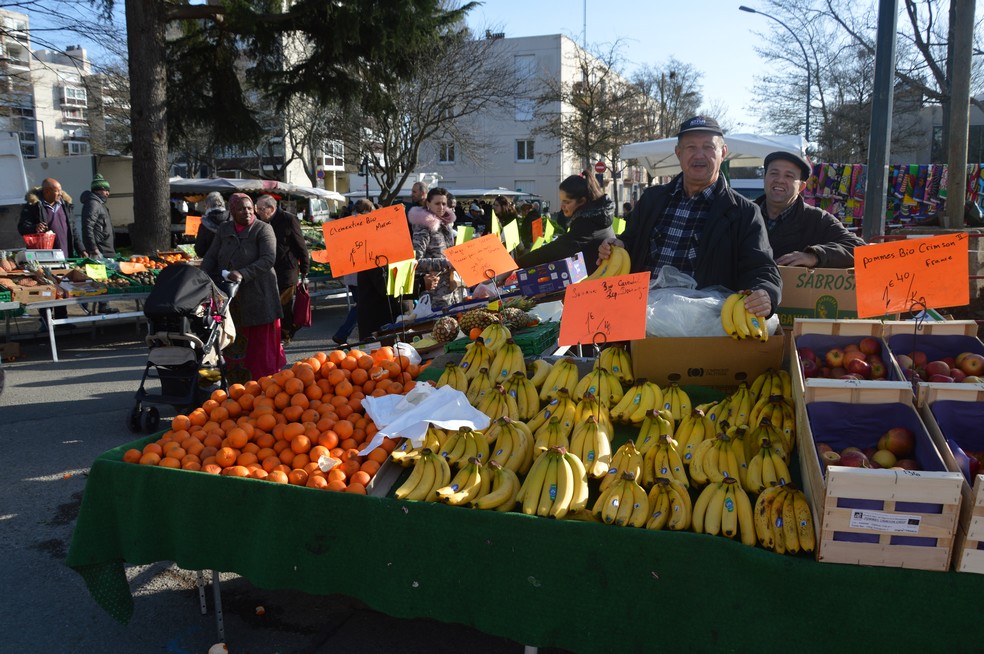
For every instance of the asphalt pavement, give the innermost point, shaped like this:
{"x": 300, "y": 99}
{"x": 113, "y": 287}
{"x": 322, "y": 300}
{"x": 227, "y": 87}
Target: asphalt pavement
{"x": 55, "y": 419}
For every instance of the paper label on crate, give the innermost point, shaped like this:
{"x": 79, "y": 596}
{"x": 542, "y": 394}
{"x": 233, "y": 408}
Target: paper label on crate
{"x": 879, "y": 521}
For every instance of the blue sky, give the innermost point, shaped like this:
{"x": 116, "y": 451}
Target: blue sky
{"x": 711, "y": 35}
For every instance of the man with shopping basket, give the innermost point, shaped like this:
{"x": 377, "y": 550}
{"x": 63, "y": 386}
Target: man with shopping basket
{"x": 49, "y": 212}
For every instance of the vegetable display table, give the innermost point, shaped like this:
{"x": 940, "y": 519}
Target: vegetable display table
{"x": 576, "y": 585}
{"x": 136, "y": 315}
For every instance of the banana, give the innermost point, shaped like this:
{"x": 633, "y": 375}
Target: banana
{"x": 508, "y": 359}
{"x": 756, "y": 327}
{"x": 432, "y": 476}
{"x": 762, "y": 516}
{"x": 624, "y": 370}
{"x": 787, "y": 386}
{"x": 727, "y": 315}
{"x": 790, "y": 532}
{"x": 775, "y": 522}
{"x": 495, "y": 335}
{"x": 592, "y": 446}
{"x": 680, "y": 507}
{"x": 753, "y": 475}
{"x": 502, "y": 493}
{"x": 563, "y": 495}
{"x": 712, "y": 461}
{"x": 626, "y": 459}
{"x": 701, "y": 507}
{"x": 746, "y": 522}
{"x": 548, "y": 490}
{"x": 651, "y": 398}
{"x": 464, "y": 486}
{"x": 698, "y": 473}
{"x": 454, "y": 377}
{"x": 782, "y": 470}
{"x": 729, "y": 512}
{"x": 805, "y": 532}
{"x": 640, "y": 506}
{"x": 411, "y": 482}
{"x": 580, "y": 499}
{"x": 552, "y": 434}
{"x": 676, "y": 401}
{"x": 538, "y": 371}
{"x": 715, "y": 509}
{"x": 590, "y": 383}
{"x": 618, "y": 263}
{"x": 738, "y": 313}
{"x": 630, "y": 400}
{"x": 479, "y": 386}
{"x": 529, "y": 492}
{"x": 524, "y": 393}
{"x": 659, "y": 506}
{"x": 559, "y": 377}
{"x": 477, "y": 356}
{"x": 769, "y": 476}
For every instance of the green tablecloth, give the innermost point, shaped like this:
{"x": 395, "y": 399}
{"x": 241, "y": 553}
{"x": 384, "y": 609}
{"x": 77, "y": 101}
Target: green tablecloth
{"x": 580, "y": 586}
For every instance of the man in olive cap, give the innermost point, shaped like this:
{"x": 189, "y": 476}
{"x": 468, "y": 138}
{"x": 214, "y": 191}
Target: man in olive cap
{"x": 698, "y": 225}
{"x": 97, "y": 225}
{"x": 801, "y": 235}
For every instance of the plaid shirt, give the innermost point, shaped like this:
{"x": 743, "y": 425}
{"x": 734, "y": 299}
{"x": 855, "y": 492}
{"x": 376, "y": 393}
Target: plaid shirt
{"x": 771, "y": 223}
{"x": 674, "y": 241}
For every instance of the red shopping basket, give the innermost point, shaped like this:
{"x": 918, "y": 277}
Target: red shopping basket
{"x": 44, "y": 241}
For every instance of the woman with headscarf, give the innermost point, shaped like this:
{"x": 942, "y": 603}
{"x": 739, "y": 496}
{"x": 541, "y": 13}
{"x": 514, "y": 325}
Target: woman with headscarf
{"x": 432, "y": 230}
{"x": 244, "y": 251}
{"x": 215, "y": 214}
{"x": 589, "y": 215}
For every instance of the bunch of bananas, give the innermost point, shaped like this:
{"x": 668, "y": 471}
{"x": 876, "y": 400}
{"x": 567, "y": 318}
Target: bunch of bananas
{"x": 508, "y": 359}
{"x": 538, "y": 370}
{"x": 464, "y": 444}
{"x": 601, "y": 383}
{"x": 430, "y": 472}
{"x": 663, "y": 460}
{"x": 617, "y": 263}
{"x": 466, "y": 485}
{"x": 767, "y": 431}
{"x": 669, "y": 505}
{"x": 589, "y": 405}
{"x": 772, "y": 382}
{"x": 694, "y": 429}
{"x": 636, "y": 403}
{"x": 783, "y": 522}
{"x": 765, "y": 469}
{"x": 477, "y": 356}
{"x": 555, "y": 485}
{"x": 592, "y": 445}
{"x": 716, "y": 459}
{"x": 524, "y": 392}
{"x": 497, "y": 403}
{"x": 775, "y": 410}
{"x": 511, "y": 444}
{"x": 739, "y": 323}
{"x": 627, "y": 458}
{"x": 676, "y": 401}
{"x": 563, "y": 374}
{"x": 454, "y": 377}
{"x": 739, "y": 406}
{"x": 495, "y": 336}
{"x": 616, "y": 360}
{"x": 499, "y": 488}
{"x": 406, "y": 452}
{"x": 623, "y": 503}
{"x": 724, "y": 508}
{"x": 551, "y": 434}
{"x": 479, "y": 386}
{"x": 658, "y": 422}
{"x": 561, "y": 406}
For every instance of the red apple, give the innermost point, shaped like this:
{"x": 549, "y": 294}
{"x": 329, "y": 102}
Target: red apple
{"x": 907, "y": 464}
{"x": 807, "y": 353}
{"x": 960, "y": 357}
{"x": 920, "y": 373}
{"x": 854, "y": 459}
{"x": 919, "y": 358}
{"x": 834, "y": 357}
{"x": 809, "y": 368}
{"x": 937, "y": 368}
{"x": 899, "y": 440}
{"x": 878, "y": 370}
{"x": 837, "y": 373}
{"x": 957, "y": 374}
{"x": 869, "y": 451}
{"x": 884, "y": 458}
{"x": 870, "y": 345}
{"x": 825, "y": 372}
{"x": 824, "y": 447}
{"x": 831, "y": 458}
{"x": 859, "y": 367}
{"x": 972, "y": 364}
{"x": 950, "y": 361}
{"x": 941, "y": 379}
{"x": 905, "y": 361}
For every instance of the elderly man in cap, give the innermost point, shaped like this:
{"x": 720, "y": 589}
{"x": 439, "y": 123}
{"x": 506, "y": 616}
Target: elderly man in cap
{"x": 697, "y": 224}
{"x": 97, "y": 226}
{"x": 801, "y": 235}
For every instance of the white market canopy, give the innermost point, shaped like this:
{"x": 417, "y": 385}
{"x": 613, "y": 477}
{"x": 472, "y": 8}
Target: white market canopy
{"x": 457, "y": 192}
{"x": 180, "y": 185}
{"x": 743, "y": 150}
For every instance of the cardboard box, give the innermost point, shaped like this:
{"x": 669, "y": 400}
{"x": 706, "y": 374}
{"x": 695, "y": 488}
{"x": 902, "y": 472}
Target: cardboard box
{"x": 10, "y": 350}
{"x": 893, "y": 518}
{"x": 952, "y": 413}
{"x": 707, "y": 360}
{"x": 553, "y": 276}
{"x": 825, "y": 293}
{"x": 31, "y": 294}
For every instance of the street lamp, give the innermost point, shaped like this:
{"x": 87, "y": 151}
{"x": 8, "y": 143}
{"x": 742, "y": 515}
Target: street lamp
{"x": 806, "y": 59}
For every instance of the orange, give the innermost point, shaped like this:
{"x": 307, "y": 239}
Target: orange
{"x": 258, "y": 473}
{"x": 474, "y": 333}
{"x": 358, "y": 489}
{"x": 219, "y": 395}
{"x": 226, "y": 457}
{"x": 153, "y": 447}
{"x": 316, "y": 481}
{"x": 233, "y": 408}
{"x": 378, "y": 455}
{"x": 350, "y": 467}
{"x": 314, "y": 392}
{"x": 293, "y": 430}
{"x": 396, "y": 388}
{"x": 317, "y": 451}
{"x": 336, "y": 376}
{"x": 328, "y": 439}
{"x": 246, "y": 459}
{"x": 359, "y": 376}
{"x": 293, "y": 386}
{"x": 236, "y": 471}
{"x": 377, "y": 372}
{"x": 365, "y": 362}
{"x": 349, "y": 363}
{"x": 293, "y": 413}
{"x": 252, "y": 387}
{"x": 266, "y": 422}
{"x": 194, "y": 466}
{"x": 297, "y": 477}
{"x": 299, "y": 461}
{"x": 180, "y": 422}
{"x": 170, "y": 462}
{"x": 237, "y": 437}
{"x": 370, "y": 467}
{"x": 360, "y": 477}
{"x": 150, "y": 458}
{"x": 389, "y": 444}
{"x": 344, "y": 388}
{"x": 337, "y": 474}
{"x": 277, "y": 476}
{"x": 344, "y": 428}
{"x": 236, "y": 391}
{"x": 132, "y": 455}
{"x": 198, "y": 417}
{"x": 304, "y": 372}
{"x": 336, "y": 486}
{"x": 211, "y": 468}
{"x": 384, "y": 353}
{"x": 300, "y": 444}
{"x": 270, "y": 462}
{"x": 301, "y": 400}
{"x": 310, "y": 415}
{"x": 336, "y": 356}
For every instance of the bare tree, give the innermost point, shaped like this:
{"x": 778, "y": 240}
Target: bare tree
{"x": 439, "y": 104}
{"x": 675, "y": 91}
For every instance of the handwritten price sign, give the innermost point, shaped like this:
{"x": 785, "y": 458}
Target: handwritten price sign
{"x": 368, "y": 240}
{"x": 479, "y": 259}
{"x": 894, "y": 276}
{"x": 614, "y": 307}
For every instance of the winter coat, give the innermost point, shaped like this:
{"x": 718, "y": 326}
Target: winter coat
{"x": 31, "y": 215}
{"x": 251, "y": 253}
{"x": 589, "y": 226}
{"x": 431, "y": 237}
{"x": 732, "y": 249}
{"x": 292, "y": 253}
{"x": 97, "y": 226}
{"x": 206, "y": 231}
{"x": 813, "y": 230}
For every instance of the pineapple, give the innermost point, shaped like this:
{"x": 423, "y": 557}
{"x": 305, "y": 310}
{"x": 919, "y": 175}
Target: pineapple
{"x": 480, "y": 318}
{"x": 515, "y": 319}
{"x": 445, "y": 329}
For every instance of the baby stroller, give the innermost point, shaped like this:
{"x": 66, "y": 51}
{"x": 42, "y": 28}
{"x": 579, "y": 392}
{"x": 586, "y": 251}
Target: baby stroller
{"x": 189, "y": 324}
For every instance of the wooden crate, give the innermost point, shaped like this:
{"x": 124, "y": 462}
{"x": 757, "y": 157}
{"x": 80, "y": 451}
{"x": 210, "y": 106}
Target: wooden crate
{"x": 968, "y": 554}
{"x": 894, "y": 518}
{"x": 937, "y": 340}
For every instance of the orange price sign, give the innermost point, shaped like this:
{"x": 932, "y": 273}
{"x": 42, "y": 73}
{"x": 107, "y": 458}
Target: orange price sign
{"x": 369, "y": 240}
{"x": 917, "y": 273}
{"x": 537, "y": 228}
{"x": 605, "y": 310}
{"x": 192, "y": 223}
{"x": 130, "y": 267}
{"x": 480, "y": 258}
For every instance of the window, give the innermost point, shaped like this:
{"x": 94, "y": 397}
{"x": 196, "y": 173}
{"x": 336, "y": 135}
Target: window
{"x": 75, "y": 148}
{"x": 333, "y": 155}
{"x": 445, "y": 153}
{"x": 73, "y": 115}
{"x": 524, "y": 150}
{"x": 74, "y": 97}
{"x": 525, "y": 67}
{"x": 524, "y": 109}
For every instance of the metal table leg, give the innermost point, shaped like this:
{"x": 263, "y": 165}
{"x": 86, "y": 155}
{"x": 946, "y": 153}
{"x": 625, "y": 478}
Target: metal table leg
{"x": 51, "y": 334}
{"x": 217, "y": 593}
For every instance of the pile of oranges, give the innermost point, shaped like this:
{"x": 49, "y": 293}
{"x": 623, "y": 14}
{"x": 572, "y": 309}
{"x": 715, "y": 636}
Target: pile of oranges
{"x": 146, "y": 261}
{"x": 278, "y": 427}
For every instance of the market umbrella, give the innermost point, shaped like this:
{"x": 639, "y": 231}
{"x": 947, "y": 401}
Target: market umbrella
{"x": 743, "y": 150}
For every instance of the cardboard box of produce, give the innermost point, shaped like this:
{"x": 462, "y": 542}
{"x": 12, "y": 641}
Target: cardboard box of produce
{"x": 826, "y": 293}
{"x": 550, "y": 277}
{"x": 884, "y": 517}
{"x": 705, "y": 360}
{"x": 39, "y": 293}
{"x": 953, "y": 413}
